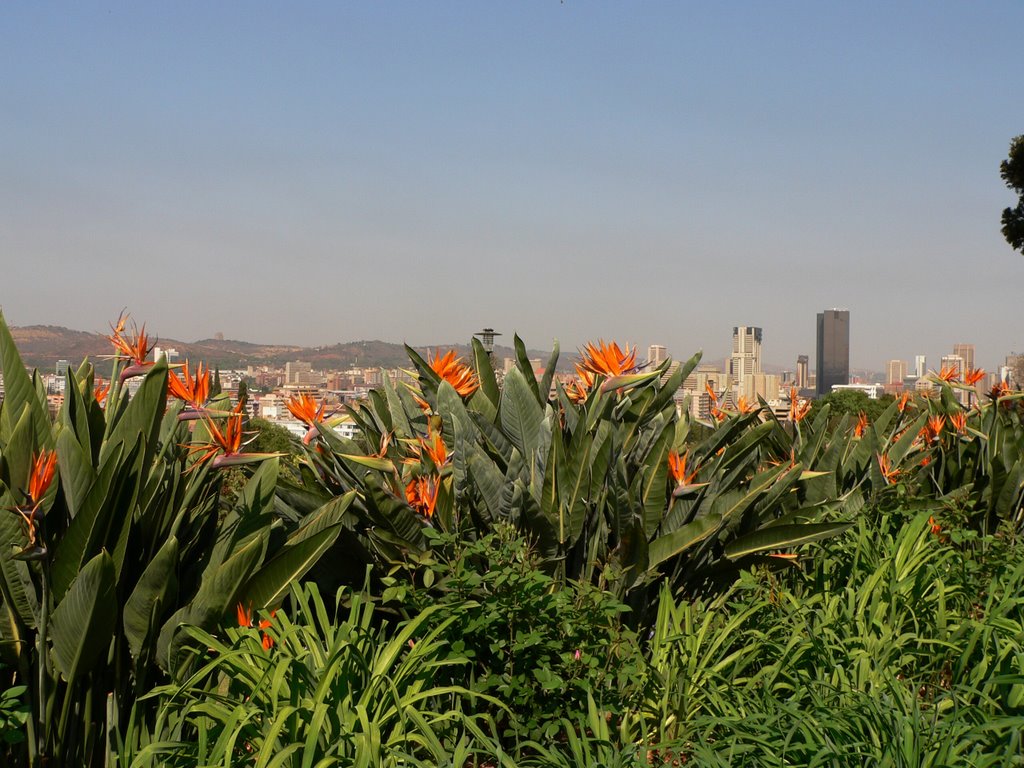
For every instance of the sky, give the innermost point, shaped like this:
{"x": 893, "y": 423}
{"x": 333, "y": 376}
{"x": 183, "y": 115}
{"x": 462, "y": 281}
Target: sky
{"x": 648, "y": 172}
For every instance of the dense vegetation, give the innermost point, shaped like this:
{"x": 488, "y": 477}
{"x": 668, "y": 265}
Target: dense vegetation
{"x": 514, "y": 574}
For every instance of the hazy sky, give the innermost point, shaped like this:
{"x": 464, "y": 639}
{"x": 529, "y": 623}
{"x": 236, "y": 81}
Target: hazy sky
{"x": 652, "y": 172}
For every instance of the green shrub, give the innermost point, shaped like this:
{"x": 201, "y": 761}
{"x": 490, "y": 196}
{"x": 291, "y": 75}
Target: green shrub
{"x": 541, "y": 648}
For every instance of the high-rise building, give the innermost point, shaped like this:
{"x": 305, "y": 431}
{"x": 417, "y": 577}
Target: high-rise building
{"x": 746, "y": 352}
{"x": 966, "y": 352}
{"x": 895, "y": 371}
{"x": 833, "y": 358}
{"x": 802, "y": 373}
{"x": 656, "y": 354}
{"x": 920, "y": 366}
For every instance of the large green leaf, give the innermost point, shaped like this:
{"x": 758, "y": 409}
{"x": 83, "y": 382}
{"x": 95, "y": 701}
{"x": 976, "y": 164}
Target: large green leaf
{"x": 76, "y": 471}
{"x": 19, "y": 391}
{"x": 654, "y": 494}
{"x": 526, "y": 367}
{"x": 549, "y": 372}
{"x": 218, "y": 593}
{"x": 143, "y": 415}
{"x": 521, "y": 414}
{"x": 487, "y": 478}
{"x": 18, "y": 586}
{"x": 681, "y": 539}
{"x": 154, "y": 590}
{"x": 782, "y": 536}
{"x": 83, "y": 622}
{"x": 485, "y": 374}
{"x": 73, "y": 548}
{"x": 269, "y": 585}
{"x": 399, "y": 418}
{"x": 333, "y": 512}
{"x": 18, "y": 454}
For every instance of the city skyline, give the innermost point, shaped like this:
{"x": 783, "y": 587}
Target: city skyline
{"x": 746, "y": 338}
{"x": 655, "y": 174}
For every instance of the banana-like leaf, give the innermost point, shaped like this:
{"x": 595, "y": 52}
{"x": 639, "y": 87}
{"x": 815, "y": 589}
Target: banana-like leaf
{"x": 96, "y": 508}
{"x": 19, "y": 391}
{"x": 218, "y": 593}
{"x": 83, "y": 622}
{"x": 18, "y": 585}
{"x": 526, "y": 368}
{"x": 549, "y": 373}
{"x": 1006, "y": 502}
{"x": 487, "y": 478}
{"x": 333, "y": 512}
{"x": 681, "y": 539}
{"x": 521, "y": 414}
{"x": 19, "y": 452}
{"x": 485, "y": 374}
{"x": 372, "y": 462}
{"x": 155, "y": 589}
{"x": 399, "y": 418}
{"x": 143, "y": 415}
{"x": 76, "y": 471}
{"x": 269, "y": 585}
{"x": 782, "y": 537}
{"x": 654, "y": 493}
{"x": 628, "y": 381}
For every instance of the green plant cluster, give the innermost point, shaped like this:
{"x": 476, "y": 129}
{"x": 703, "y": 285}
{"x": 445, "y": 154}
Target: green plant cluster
{"x": 526, "y": 573}
{"x": 538, "y": 649}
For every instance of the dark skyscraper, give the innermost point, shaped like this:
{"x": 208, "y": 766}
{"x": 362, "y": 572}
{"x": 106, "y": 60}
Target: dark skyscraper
{"x": 833, "y": 360}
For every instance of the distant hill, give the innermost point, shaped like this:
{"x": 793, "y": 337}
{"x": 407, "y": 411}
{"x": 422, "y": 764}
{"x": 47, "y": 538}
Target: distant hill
{"x": 41, "y": 346}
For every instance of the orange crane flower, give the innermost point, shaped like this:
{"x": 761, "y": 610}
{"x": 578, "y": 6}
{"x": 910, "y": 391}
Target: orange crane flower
{"x": 305, "y": 409}
{"x": 44, "y": 467}
{"x": 40, "y": 478}
{"x": 451, "y": 369}
{"x": 999, "y": 390}
{"x": 949, "y": 373}
{"x": 435, "y": 448}
{"x": 421, "y": 493}
{"x": 100, "y": 391}
{"x": 576, "y": 390}
{"x": 227, "y": 442}
{"x": 958, "y": 421}
{"x": 194, "y": 391}
{"x": 136, "y": 349}
{"x": 889, "y": 472}
{"x": 901, "y": 404}
{"x": 746, "y": 407}
{"x": 607, "y": 359}
{"x": 973, "y": 376}
{"x": 862, "y": 424}
{"x": 245, "y": 620}
{"x": 933, "y": 429}
{"x": 798, "y": 409}
{"x": 677, "y": 468}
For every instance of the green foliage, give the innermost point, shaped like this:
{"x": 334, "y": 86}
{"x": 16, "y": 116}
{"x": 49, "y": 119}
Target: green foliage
{"x": 851, "y": 402}
{"x": 1012, "y": 172}
{"x": 14, "y": 710}
{"x": 335, "y": 688}
{"x": 585, "y": 479}
{"x": 131, "y": 538}
{"x": 271, "y": 438}
{"x": 887, "y": 648}
{"x": 539, "y": 649}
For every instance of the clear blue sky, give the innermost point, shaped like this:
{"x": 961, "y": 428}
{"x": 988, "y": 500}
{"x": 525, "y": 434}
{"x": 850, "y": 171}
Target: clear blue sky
{"x": 652, "y": 172}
